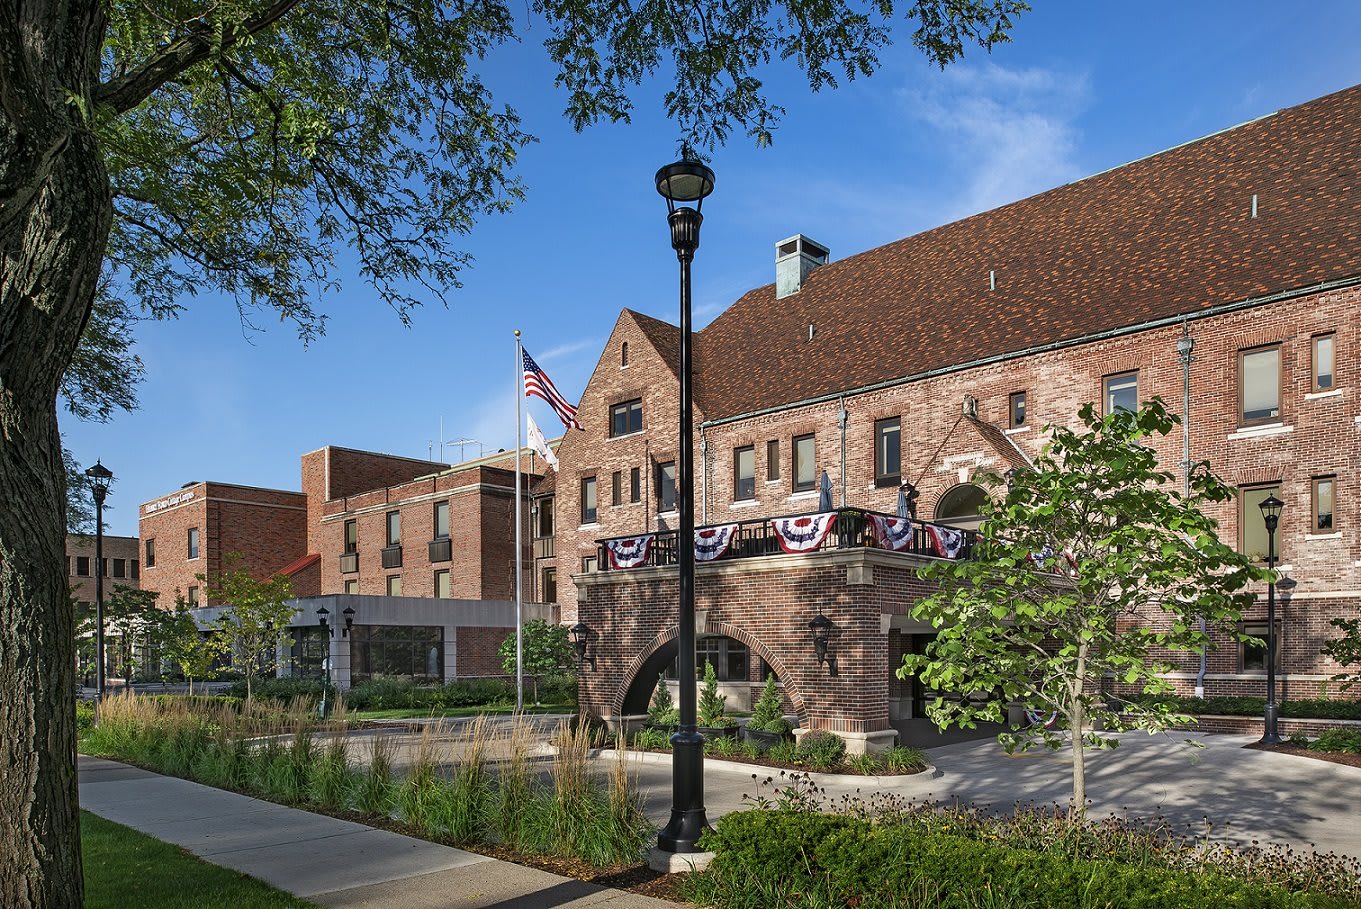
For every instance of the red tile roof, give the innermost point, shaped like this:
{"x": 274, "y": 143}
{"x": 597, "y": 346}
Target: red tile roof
{"x": 298, "y": 565}
{"x": 1167, "y": 235}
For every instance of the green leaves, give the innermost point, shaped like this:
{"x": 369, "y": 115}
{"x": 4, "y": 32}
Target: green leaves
{"x": 1144, "y": 563}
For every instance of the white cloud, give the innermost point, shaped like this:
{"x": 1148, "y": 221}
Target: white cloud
{"x": 567, "y": 349}
{"x": 1010, "y": 132}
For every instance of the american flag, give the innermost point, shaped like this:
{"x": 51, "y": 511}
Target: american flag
{"x": 538, "y": 384}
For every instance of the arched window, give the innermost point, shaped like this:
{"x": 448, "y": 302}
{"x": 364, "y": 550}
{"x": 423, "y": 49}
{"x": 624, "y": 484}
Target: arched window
{"x": 960, "y": 506}
{"x": 624, "y": 354}
{"x": 729, "y": 656}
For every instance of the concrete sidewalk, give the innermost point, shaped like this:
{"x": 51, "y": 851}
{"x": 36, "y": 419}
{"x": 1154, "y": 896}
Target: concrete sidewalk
{"x": 331, "y": 862}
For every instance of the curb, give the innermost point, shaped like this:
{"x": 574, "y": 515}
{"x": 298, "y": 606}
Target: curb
{"x": 930, "y": 772}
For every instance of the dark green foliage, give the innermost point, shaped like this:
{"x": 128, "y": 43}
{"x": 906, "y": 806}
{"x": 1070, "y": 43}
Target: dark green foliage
{"x": 1346, "y": 650}
{"x": 712, "y": 705}
{"x": 1299, "y": 708}
{"x": 807, "y": 859}
{"x": 1344, "y": 740}
{"x": 652, "y": 740}
{"x": 392, "y": 694}
{"x": 662, "y": 710}
{"x": 547, "y": 653}
{"x": 820, "y": 749}
{"x": 767, "y": 715}
{"x": 281, "y": 690}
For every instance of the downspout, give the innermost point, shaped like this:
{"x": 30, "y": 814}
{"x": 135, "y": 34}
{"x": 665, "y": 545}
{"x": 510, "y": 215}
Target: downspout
{"x": 841, "y": 418}
{"x": 1185, "y": 345}
{"x": 703, "y": 477}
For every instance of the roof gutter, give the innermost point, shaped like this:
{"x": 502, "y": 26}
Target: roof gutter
{"x": 1221, "y": 309}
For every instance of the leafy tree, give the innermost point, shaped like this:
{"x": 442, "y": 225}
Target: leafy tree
{"x": 547, "y": 652}
{"x": 252, "y": 629}
{"x": 127, "y": 611}
{"x": 1346, "y": 649}
{"x": 150, "y": 151}
{"x": 175, "y": 635}
{"x": 1025, "y": 623}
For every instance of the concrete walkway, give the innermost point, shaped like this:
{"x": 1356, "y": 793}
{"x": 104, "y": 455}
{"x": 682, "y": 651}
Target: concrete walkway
{"x": 331, "y": 862}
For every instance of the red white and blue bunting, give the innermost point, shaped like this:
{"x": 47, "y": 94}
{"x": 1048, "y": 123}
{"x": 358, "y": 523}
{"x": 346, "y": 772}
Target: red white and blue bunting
{"x": 803, "y": 534}
{"x": 712, "y": 542}
{"x": 892, "y": 533}
{"x": 949, "y": 544}
{"x": 628, "y": 552}
{"x": 1047, "y": 559}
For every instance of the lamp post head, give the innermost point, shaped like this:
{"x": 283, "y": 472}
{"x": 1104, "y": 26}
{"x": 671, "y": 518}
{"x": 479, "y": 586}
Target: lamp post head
{"x": 348, "y": 613}
{"x": 323, "y": 615}
{"x": 685, "y": 180}
{"x": 1271, "y": 512}
{"x": 579, "y": 634}
{"x": 100, "y": 476}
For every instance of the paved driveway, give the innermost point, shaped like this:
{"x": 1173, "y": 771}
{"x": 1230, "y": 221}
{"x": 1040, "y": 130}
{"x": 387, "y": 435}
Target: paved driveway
{"x": 1246, "y": 794}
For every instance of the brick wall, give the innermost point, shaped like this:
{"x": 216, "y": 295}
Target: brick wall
{"x": 1316, "y": 436}
{"x": 477, "y": 651}
{"x": 124, "y": 550}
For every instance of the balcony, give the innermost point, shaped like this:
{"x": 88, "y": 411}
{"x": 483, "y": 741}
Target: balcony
{"x": 854, "y": 529}
{"x": 349, "y": 562}
{"x": 392, "y": 557}
{"x": 441, "y": 550}
{"x": 543, "y": 548}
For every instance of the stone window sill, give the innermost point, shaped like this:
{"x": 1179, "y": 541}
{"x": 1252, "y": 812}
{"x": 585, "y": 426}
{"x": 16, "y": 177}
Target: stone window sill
{"x": 1016, "y": 430}
{"x": 745, "y": 503}
{"x": 1260, "y": 431}
{"x": 1323, "y": 536}
{"x": 1319, "y": 395}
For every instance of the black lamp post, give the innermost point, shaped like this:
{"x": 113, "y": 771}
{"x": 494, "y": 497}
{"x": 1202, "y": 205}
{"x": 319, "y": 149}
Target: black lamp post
{"x": 100, "y": 477}
{"x": 685, "y": 181}
{"x": 1271, "y": 516}
{"x": 328, "y": 633}
{"x": 580, "y": 635}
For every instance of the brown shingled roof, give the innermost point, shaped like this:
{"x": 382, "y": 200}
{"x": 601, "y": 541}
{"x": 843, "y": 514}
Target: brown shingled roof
{"x": 1163, "y": 236}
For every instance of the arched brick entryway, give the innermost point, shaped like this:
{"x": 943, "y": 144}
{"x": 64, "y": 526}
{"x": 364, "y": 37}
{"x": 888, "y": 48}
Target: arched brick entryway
{"x": 633, "y": 694}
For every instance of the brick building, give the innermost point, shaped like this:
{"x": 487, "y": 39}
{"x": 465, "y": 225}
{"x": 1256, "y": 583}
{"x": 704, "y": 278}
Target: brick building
{"x": 121, "y": 564}
{"x": 379, "y": 533}
{"x": 943, "y": 354}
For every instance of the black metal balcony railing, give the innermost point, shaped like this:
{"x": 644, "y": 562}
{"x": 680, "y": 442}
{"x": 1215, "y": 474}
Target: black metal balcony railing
{"x": 441, "y": 550}
{"x": 853, "y": 530}
{"x": 349, "y": 562}
{"x": 392, "y": 557}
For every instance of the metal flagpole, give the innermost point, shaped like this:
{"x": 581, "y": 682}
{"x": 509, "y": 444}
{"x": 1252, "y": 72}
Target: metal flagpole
{"x": 519, "y": 571}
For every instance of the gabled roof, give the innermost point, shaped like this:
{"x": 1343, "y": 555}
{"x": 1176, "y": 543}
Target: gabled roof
{"x": 299, "y": 564}
{"x": 664, "y": 336}
{"x": 1167, "y": 235}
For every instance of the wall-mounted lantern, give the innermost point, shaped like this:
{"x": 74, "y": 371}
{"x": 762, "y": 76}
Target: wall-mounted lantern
{"x": 821, "y": 627}
{"x": 323, "y": 619}
{"x": 580, "y": 636}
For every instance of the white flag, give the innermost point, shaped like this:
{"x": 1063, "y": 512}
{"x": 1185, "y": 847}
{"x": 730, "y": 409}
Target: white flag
{"x": 539, "y": 444}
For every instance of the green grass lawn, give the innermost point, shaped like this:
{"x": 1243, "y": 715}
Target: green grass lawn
{"x": 409, "y": 713}
{"x": 124, "y": 869}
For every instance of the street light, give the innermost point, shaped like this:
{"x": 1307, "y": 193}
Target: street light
{"x": 329, "y": 633}
{"x": 100, "y": 477}
{"x": 1271, "y": 516}
{"x": 685, "y": 181}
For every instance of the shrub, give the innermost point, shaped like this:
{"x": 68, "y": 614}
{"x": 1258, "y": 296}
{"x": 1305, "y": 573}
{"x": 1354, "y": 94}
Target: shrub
{"x": 282, "y": 690}
{"x": 783, "y": 753}
{"x": 809, "y": 859}
{"x": 1301, "y": 708}
{"x": 867, "y": 764}
{"x": 767, "y": 715}
{"x": 652, "y": 740}
{"x": 1345, "y": 740}
{"x": 476, "y": 693}
{"x": 387, "y": 694}
{"x": 820, "y": 748}
{"x": 662, "y": 710}
{"x": 711, "y": 703}
{"x": 723, "y": 746}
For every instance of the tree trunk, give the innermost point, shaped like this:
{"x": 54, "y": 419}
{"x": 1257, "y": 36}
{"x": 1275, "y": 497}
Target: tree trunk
{"x": 1076, "y": 717}
{"x": 55, "y": 211}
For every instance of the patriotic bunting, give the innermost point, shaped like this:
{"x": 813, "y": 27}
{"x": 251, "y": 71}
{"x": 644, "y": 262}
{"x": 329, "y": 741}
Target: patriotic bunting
{"x": 803, "y": 534}
{"x": 628, "y": 552}
{"x": 949, "y": 544}
{"x": 892, "y": 533}
{"x": 712, "y": 542}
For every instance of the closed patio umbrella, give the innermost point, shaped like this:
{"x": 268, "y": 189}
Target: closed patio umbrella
{"x": 825, "y": 493}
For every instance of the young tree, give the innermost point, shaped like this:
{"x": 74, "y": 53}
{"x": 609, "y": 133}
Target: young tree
{"x": 175, "y": 635}
{"x": 547, "y": 652}
{"x": 151, "y": 151}
{"x": 252, "y": 628}
{"x": 127, "y": 612}
{"x": 1092, "y": 565}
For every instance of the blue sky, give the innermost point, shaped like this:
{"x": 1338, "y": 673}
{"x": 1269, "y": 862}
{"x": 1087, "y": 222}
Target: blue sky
{"x": 1084, "y": 87}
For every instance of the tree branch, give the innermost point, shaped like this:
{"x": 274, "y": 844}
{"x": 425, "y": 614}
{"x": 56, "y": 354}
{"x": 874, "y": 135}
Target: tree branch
{"x": 126, "y": 91}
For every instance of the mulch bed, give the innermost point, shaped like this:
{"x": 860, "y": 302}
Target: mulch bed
{"x": 636, "y": 878}
{"x": 1334, "y": 757}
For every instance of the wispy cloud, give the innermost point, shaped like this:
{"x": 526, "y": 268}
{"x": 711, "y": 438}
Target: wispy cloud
{"x": 562, "y": 351}
{"x": 1012, "y": 132}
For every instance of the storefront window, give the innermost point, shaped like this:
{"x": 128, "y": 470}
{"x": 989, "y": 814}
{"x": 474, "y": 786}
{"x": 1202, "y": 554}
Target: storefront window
{"x": 408, "y": 652}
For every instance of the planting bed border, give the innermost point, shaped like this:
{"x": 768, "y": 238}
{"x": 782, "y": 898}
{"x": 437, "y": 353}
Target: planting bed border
{"x": 929, "y": 772}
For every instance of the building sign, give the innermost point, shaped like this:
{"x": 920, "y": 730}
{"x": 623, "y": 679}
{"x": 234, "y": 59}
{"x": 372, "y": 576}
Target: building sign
{"x": 168, "y": 502}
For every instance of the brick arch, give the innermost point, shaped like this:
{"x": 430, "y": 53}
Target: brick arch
{"x": 665, "y": 640}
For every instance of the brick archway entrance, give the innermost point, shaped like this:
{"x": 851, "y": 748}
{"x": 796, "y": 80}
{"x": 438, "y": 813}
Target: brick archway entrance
{"x": 632, "y": 696}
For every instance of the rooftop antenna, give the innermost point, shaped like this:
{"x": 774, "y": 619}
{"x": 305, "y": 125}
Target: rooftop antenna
{"x": 462, "y": 442}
